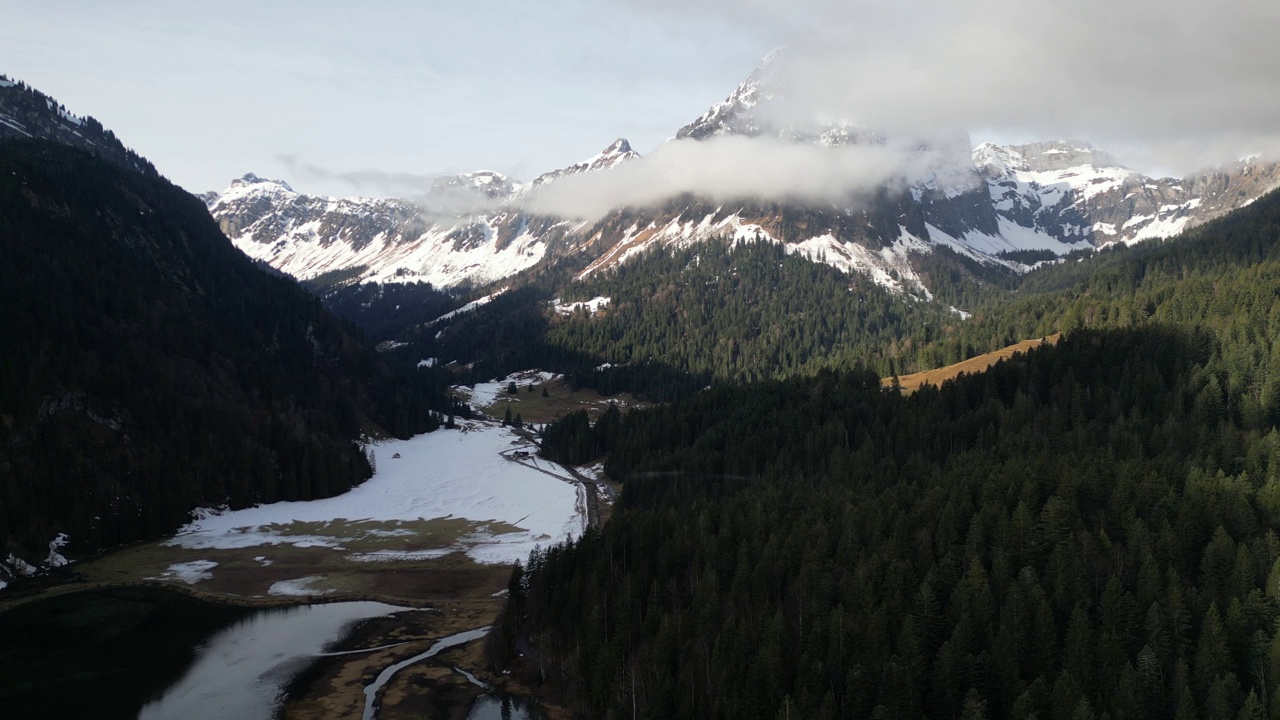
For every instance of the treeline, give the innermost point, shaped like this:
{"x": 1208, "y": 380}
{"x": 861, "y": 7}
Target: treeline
{"x": 1086, "y": 531}
{"x": 40, "y": 116}
{"x": 148, "y": 367}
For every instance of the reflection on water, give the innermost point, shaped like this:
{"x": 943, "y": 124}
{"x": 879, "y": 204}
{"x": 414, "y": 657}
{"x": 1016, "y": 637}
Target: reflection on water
{"x": 156, "y": 654}
{"x": 489, "y": 707}
{"x": 241, "y": 672}
{"x": 108, "y": 650}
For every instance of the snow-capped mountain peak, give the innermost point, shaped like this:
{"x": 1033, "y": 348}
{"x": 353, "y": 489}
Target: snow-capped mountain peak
{"x": 618, "y": 152}
{"x": 1071, "y": 190}
{"x": 996, "y": 205}
{"x": 250, "y": 179}
{"x": 735, "y": 114}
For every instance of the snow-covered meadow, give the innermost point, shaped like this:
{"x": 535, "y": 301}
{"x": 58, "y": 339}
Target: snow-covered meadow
{"x": 485, "y": 394}
{"x": 453, "y": 474}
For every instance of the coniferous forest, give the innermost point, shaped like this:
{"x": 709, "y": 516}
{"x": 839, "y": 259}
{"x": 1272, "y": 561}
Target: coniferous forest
{"x": 1089, "y": 530}
{"x": 1085, "y": 531}
{"x": 814, "y": 410}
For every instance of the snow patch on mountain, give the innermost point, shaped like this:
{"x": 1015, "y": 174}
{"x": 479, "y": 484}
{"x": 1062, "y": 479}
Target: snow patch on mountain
{"x": 592, "y": 306}
{"x": 890, "y": 267}
{"x": 469, "y": 307}
{"x": 430, "y": 257}
{"x": 55, "y": 558}
{"x": 679, "y": 232}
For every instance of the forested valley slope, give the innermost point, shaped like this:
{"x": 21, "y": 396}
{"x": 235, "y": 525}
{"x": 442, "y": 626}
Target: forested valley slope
{"x": 148, "y": 367}
{"x": 1086, "y": 530}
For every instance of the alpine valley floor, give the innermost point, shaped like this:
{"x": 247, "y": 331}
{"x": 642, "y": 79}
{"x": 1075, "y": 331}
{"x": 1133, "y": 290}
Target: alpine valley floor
{"x": 437, "y": 529}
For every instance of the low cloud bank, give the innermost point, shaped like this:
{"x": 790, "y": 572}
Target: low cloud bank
{"x": 730, "y": 168}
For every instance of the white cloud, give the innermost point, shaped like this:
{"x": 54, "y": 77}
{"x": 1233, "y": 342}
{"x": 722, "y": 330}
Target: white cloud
{"x": 1178, "y": 83}
{"x": 731, "y": 167}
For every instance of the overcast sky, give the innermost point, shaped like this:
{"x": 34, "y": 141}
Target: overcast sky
{"x": 209, "y": 91}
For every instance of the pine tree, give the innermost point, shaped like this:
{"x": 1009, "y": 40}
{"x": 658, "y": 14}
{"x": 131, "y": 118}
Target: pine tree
{"x": 1252, "y": 709}
{"x": 975, "y": 708}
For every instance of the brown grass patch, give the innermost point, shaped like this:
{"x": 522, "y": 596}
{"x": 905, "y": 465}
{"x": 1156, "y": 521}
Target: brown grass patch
{"x": 240, "y": 572}
{"x": 973, "y": 365}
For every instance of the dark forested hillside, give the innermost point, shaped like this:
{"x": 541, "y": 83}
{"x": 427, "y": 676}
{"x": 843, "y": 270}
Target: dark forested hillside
{"x": 394, "y": 312}
{"x": 745, "y": 313}
{"x": 27, "y": 113}
{"x": 148, "y": 367}
{"x": 1087, "y": 531}
{"x": 680, "y": 319}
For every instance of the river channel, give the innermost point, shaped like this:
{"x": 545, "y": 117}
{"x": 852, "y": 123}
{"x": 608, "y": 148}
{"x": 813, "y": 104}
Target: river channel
{"x": 155, "y": 654}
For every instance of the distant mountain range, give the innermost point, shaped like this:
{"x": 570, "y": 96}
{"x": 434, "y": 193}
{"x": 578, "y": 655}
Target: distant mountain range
{"x": 1000, "y": 206}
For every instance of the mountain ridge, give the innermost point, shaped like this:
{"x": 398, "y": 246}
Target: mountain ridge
{"x": 987, "y": 203}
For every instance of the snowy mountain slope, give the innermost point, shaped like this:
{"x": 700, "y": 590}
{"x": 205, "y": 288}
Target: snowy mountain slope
{"x": 465, "y": 229}
{"x": 987, "y": 205}
{"x": 393, "y": 240}
{"x": 1074, "y": 192}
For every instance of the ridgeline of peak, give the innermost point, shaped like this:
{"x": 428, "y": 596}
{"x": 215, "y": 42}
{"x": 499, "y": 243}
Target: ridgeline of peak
{"x": 28, "y": 113}
{"x": 734, "y": 116}
{"x": 760, "y": 106}
{"x": 1044, "y": 156}
{"x": 618, "y": 152}
{"x": 619, "y": 146}
{"x": 249, "y": 179}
